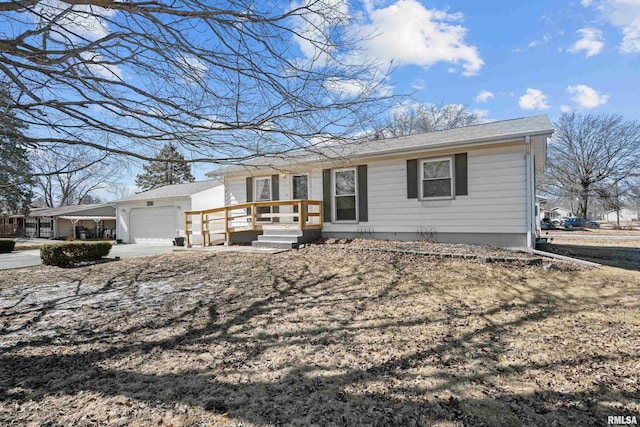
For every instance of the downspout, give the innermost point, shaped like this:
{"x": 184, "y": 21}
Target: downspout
{"x": 529, "y": 192}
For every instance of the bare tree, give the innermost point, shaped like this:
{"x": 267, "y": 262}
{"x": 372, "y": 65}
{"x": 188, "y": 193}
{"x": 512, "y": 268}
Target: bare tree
{"x": 120, "y": 191}
{"x": 224, "y": 81}
{"x": 419, "y": 118}
{"x": 71, "y": 176}
{"x": 590, "y": 155}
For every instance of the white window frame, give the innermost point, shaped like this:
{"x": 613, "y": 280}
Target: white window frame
{"x": 308, "y": 183}
{"x": 334, "y": 208}
{"x": 255, "y": 196}
{"x": 255, "y": 189}
{"x": 451, "y": 177}
{"x": 291, "y": 177}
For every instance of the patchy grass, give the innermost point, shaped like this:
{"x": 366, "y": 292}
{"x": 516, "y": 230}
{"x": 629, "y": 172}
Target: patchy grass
{"x": 322, "y": 335}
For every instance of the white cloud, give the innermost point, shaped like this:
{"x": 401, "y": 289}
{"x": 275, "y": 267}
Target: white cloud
{"x": 591, "y": 42}
{"x": 418, "y": 84}
{"x": 73, "y": 22}
{"x": 481, "y": 113}
{"x": 192, "y": 69}
{"x": 545, "y": 39}
{"x": 483, "y": 96}
{"x": 352, "y": 88}
{"x": 313, "y": 26}
{"x": 96, "y": 65}
{"x": 586, "y": 97}
{"x": 409, "y": 33}
{"x": 565, "y": 108}
{"x": 533, "y": 99}
{"x": 624, "y": 14}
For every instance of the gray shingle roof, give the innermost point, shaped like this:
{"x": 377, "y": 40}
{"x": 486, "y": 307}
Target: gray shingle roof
{"x": 493, "y": 131}
{"x": 67, "y": 210}
{"x": 172, "y": 191}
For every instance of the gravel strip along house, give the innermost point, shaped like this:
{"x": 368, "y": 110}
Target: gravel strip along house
{"x": 474, "y": 184}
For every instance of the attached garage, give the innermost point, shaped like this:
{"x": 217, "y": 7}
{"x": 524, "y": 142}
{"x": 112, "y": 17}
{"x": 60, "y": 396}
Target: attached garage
{"x": 157, "y": 216}
{"x": 153, "y": 224}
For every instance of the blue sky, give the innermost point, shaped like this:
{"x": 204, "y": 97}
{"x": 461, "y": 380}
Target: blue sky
{"x": 503, "y": 59}
{"x": 510, "y": 59}
{"x": 506, "y": 59}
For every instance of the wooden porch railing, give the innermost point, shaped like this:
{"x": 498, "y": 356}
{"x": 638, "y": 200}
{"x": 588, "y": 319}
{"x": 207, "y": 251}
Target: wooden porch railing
{"x": 245, "y": 217}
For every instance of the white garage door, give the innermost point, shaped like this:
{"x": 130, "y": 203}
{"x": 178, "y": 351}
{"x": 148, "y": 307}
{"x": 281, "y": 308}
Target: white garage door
{"x": 153, "y": 225}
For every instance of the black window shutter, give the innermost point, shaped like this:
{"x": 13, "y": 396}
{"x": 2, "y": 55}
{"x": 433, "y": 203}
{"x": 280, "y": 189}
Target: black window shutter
{"x": 249, "y": 192}
{"x": 363, "y": 204}
{"x": 461, "y": 174}
{"x": 412, "y": 179}
{"x": 249, "y": 189}
{"x": 275, "y": 183}
{"x": 275, "y": 194}
{"x": 326, "y": 195}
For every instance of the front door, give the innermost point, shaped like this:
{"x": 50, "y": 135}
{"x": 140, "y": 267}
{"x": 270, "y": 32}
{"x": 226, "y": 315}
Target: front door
{"x": 263, "y": 194}
{"x": 300, "y": 184}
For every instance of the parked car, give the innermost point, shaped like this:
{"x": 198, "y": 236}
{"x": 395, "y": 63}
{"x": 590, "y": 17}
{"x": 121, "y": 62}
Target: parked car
{"x": 592, "y": 224}
{"x": 574, "y": 222}
{"x": 559, "y": 220}
{"x": 546, "y": 224}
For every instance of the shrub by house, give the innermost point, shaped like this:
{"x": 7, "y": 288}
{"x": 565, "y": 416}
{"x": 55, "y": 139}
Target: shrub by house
{"x": 7, "y": 246}
{"x": 66, "y": 254}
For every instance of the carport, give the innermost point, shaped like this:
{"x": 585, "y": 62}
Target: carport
{"x": 100, "y": 231}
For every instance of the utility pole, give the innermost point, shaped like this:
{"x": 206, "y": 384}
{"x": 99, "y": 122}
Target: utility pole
{"x": 617, "y": 205}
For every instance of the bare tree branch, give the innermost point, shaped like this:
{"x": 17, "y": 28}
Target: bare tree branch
{"x": 225, "y": 82}
{"x": 591, "y": 154}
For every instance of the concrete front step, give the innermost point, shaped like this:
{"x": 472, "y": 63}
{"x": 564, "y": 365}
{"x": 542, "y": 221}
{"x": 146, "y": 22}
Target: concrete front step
{"x": 271, "y": 244}
{"x": 281, "y": 238}
{"x": 280, "y": 227}
{"x": 285, "y": 238}
{"x": 282, "y": 232}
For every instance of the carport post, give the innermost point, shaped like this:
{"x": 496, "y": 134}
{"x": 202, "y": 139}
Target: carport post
{"x": 74, "y": 222}
{"x": 97, "y": 221}
{"x": 186, "y": 228}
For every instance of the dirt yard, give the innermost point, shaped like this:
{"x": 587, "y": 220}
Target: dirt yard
{"x": 326, "y": 335}
{"x": 596, "y": 237}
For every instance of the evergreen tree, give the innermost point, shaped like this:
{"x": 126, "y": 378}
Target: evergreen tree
{"x": 15, "y": 172}
{"x": 172, "y": 169}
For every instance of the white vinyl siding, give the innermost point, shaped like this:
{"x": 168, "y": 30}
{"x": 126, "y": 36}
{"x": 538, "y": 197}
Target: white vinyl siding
{"x": 496, "y": 202}
{"x": 208, "y": 199}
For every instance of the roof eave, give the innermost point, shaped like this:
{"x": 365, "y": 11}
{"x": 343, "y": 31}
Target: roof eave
{"x": 408, "y": 150}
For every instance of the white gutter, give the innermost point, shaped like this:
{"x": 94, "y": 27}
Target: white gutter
{"x": 528, "y": 157}
{"x": 565, "y": 258}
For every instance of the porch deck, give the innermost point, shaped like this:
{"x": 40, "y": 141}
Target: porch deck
{"x": 252, "y": 217}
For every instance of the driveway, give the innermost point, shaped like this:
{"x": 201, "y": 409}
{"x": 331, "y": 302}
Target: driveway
{"x": 19, "y": 259}
{"x": 31, "y": 257}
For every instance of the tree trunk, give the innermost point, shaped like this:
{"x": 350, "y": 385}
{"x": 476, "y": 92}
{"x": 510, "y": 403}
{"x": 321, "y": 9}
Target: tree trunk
{"x": 583, "y": 202}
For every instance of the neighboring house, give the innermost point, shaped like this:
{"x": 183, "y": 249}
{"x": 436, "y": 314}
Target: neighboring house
{"x": 474, "y": 184}
{"x": 77, "y": 221}
{"x": 10, "y": 225}
{"x": 626, "y": 215}
{"x": 157, "y": 216}
{"x": 558, "y": 212}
